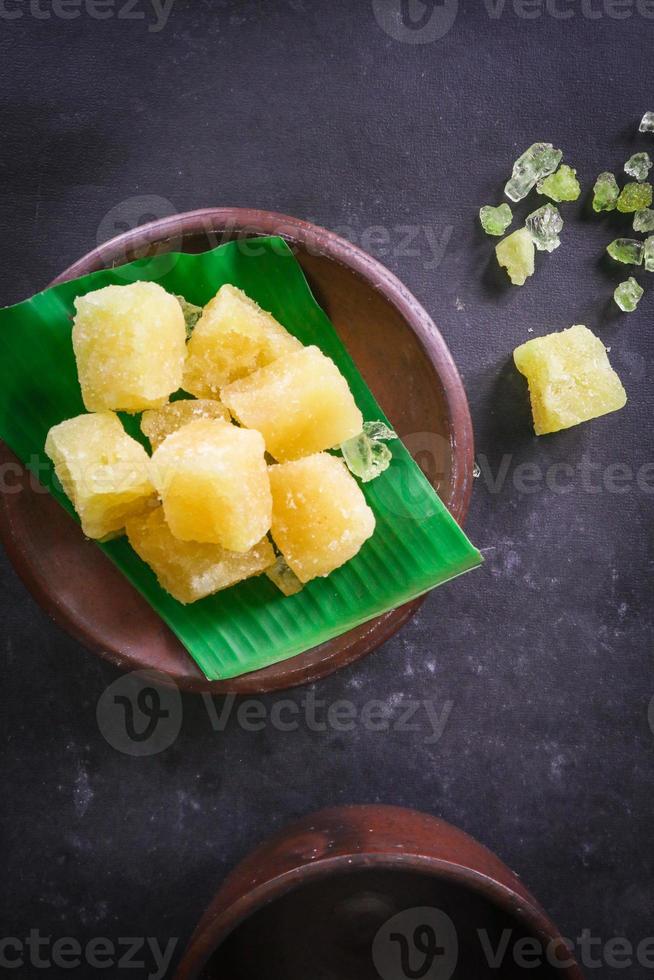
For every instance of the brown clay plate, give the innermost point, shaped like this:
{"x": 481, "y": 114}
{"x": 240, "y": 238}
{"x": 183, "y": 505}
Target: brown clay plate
{"x": 403, "y": 359}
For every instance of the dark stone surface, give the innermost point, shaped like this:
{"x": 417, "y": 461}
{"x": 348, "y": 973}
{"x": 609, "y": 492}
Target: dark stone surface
{"x": 543, "y": 656}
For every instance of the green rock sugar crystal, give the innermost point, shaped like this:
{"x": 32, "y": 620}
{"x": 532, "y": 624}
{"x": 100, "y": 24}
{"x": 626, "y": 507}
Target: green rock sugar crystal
{"x": 538, "y": 161}
{"x": 629, "y": 251}
{"x": 635, "y": 197}
{"x": 606, "y": 192}
{"x": 638, "y": 166}
{"x": 561, "y": 186}
{"x": 544, "y": 226}
{"x": 366, "y": 455}
{"x": 628, "y": 295}
{"x": 495, "y": 221}
{"x": 644, "y": 220}
{"x": 648, "y": 253}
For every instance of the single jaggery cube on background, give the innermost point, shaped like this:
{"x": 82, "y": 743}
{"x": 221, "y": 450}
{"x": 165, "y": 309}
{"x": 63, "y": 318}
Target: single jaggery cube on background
{"x": 233, "y": 338}
{"x": 130, "y": 347}
{"x": 103, "y": 471}
{"x": 301, "y": 403}
{"x": 320, "y": 515}
{"x": 213, "y": 482}
{"x": 189, "y": 570}
{"x": 158, "y": 423}
{"x": 570, "y": 379}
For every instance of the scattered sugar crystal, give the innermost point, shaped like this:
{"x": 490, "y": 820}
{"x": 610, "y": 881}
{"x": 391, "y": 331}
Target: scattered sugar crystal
{"x": 544, "y": 226}
{"x": 635, "y": 197}
{"x": 606, "y": 192}
{"x": 648, "y": 253}
{"x": 561, "y": 186}
{"x": 283, "y": 576}
{"x": 638, "y": 166}
{"x": 626, "y": 250}
{"x": 192, "y": 313}
{"x": 540, "y": 160}
{"x": 644, "y": 220}
{"x": 628, "y": 295}
{"x": 379, "y": 430}
{"x": 495, "y": 221}
{"x": 647, "y": 123}
{"x": 365, "y": 457}
{"x": 516, "y": 254}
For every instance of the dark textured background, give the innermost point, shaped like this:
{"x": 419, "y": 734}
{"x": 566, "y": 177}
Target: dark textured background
{"x": 310, "y": 108}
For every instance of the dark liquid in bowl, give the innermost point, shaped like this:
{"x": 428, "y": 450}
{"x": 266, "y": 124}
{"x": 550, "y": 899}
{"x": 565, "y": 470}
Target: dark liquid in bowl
{"x": 330, "y": 930}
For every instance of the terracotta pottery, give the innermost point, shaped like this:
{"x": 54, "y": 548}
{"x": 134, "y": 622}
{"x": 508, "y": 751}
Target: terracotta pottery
{"x": 332, "y": 895}
{"x": 407, "y": 365}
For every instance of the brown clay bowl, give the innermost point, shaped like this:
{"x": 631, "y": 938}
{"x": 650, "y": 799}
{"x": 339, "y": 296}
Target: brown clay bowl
{"x": 311, "y": 902}
{"x": 407, "y": 365}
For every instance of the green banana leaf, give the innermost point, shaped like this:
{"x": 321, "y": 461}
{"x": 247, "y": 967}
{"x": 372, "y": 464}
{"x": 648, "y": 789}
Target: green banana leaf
{"x": 416, "y": 546}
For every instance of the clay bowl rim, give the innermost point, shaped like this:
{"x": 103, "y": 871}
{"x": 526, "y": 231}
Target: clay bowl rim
{"x": 523, "y": 908}
{"x": 229, "y": 223}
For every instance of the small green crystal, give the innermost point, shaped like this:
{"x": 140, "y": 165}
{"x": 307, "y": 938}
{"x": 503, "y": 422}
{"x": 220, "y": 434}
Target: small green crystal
{"x": 538, "y": 161}
{"x": 495, "y": 221}
{"x": 628, "y": 295}
{"x": 366, "y": 455}
{"x": 379, "y": 431}
{"x": 561, "y": 186}
{"x": 283, "y": 576}
{"x": 647, "y": 123}
{"x": 635, "y": 197}
{"x": 638, "y": 166}
{"x": 544, "y": 226}
{"x": 192, "y": 314}
{"x": 644, "y": 220}
{"x": 648, "y": 253}
{"x": 629, "y": 251}
{"x": 606, "y": 192}
{"x": 516, "y": 254}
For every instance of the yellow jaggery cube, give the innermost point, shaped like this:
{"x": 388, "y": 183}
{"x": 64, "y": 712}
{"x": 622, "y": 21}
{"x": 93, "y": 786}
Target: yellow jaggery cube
{"x": 233, "y": 338}
{"x": 516, "y": 254}
{"x": 103, "y": 471}
{"x": 300, "y": 403}
{"x": 130, "y": 346}
{"x": 570, "y": 379}
{"x": 320, "y": 516}
{"x": 158, "y": 423}
{"x": 189, "y": 570}
{"x": 213, "y": 482}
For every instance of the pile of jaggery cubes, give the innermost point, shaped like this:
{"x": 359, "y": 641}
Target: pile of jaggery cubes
{"x": 239, "y": 480}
